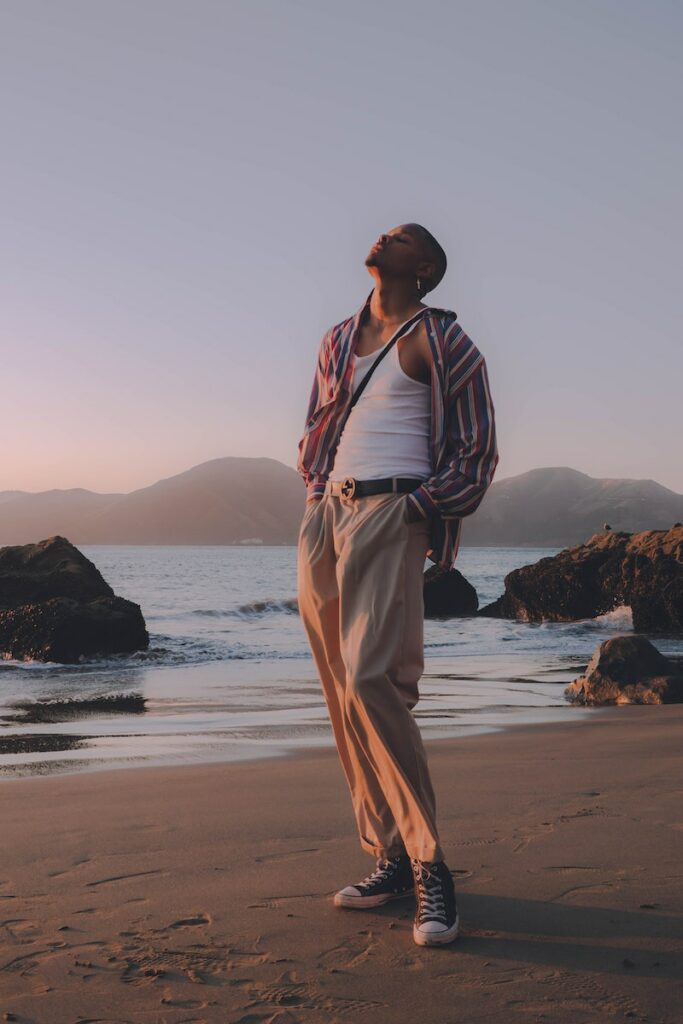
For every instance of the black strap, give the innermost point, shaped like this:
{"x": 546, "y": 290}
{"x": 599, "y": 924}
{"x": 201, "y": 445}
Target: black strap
{"x": 403, "y": 329}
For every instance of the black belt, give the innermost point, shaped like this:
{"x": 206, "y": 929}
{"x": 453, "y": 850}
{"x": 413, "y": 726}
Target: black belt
{"x": 349, "y": 487}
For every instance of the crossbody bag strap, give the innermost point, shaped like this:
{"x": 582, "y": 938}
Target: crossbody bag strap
{"x": 403, "y": 329}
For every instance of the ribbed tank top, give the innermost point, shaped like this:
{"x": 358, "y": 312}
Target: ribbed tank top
{"x": 387, "y": 432}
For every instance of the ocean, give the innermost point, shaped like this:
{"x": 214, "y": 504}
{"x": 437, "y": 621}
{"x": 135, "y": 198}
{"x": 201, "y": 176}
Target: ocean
{"x": 228, "y": 673}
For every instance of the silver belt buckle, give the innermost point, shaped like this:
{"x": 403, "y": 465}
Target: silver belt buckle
{"x": 348, "y": 487}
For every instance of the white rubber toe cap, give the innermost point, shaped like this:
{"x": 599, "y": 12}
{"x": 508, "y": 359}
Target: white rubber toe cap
{"x": 349, "y": 890}
{"x": 432, "y": 927}
{"x": 431, "y": 933}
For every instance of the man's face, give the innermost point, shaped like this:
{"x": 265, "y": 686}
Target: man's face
{"x": 399, "y": 252}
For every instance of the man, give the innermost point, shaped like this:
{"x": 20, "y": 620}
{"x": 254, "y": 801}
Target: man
{"x": 387, "y": 485}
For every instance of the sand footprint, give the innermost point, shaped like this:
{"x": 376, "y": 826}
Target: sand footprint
{"x": 123, "y": 878}
{"x": 184, "y": 1004}
{"x": 477, "y": 842}
{"x": 21, "y": 929}
{"x": 288, "y": 991}
{"x": 287, "y": 854}
{"x": 192, "y": 922}
{"x": 350, "y": 953}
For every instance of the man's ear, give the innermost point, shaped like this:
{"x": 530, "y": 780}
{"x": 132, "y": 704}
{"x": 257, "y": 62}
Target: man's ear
{"x": 426, "y": 270}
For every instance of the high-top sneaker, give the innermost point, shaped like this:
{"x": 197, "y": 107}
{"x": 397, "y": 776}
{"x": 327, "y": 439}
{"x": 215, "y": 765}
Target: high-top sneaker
{"x": 391, "y": 879}
{"x": 436, "y": 911}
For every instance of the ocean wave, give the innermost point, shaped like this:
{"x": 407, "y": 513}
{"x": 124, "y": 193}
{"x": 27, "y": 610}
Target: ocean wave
{"x": 289, "y": 605}
{"x": 163, "y": 652}
{"x": 620, "y": 617}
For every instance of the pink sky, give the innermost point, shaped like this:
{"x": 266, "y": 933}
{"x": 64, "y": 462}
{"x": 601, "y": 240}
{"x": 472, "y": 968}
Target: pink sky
{"x": 191, "y": 191}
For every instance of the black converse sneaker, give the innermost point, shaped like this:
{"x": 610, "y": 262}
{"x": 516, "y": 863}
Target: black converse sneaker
{"x": 436, "y": 912}
{"x": 391, "y": 879}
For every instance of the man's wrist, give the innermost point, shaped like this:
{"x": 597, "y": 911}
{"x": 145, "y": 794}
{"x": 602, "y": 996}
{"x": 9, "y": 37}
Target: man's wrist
{"x": 315, "y": 489}
{"x": 420, "y": 504}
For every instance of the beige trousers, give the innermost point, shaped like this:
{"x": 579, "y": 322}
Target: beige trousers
{"x": 360, "y": 572}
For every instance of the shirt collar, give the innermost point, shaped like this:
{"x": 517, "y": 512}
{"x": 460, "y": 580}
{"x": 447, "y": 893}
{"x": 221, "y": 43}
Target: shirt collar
{"x": 358, "y": 315}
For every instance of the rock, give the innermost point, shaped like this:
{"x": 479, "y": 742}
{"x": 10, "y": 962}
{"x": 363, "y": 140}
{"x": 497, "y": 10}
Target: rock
{"x": 30, "y": 573}
{"x": 628, "y": 670}
{"x": 653, "y": 571}
{"x": 643, "y": 570}
{"x": 56, "y": 606}
{"x": 448, "y": 593}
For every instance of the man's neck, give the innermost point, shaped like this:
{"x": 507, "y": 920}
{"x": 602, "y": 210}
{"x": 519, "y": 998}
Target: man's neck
{"x": 391, "y": 303}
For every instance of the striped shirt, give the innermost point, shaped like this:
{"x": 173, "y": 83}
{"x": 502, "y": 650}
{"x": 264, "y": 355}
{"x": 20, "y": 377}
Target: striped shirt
{"x": 462, "y": 445}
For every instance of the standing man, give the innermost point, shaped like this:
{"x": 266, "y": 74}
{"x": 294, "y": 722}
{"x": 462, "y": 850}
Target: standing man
{"x": 388, "y": 486}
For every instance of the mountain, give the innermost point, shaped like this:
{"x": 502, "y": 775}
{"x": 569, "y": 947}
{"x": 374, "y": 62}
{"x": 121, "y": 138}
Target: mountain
{"x": 240, "y": 500}
{"x": 224, "y": 501}
{"x": 560, "y": 507}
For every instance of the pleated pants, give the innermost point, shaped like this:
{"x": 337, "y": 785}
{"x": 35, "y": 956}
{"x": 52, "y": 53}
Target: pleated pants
{"x": 360, "y": 566}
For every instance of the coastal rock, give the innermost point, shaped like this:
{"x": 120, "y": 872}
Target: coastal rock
{"x": 642, "y": 570}
{"x": 56, "y": 606}
{"x": 653, "y": 570}
{"x": 448, "y": 594}
{"x": 628, "y": 670}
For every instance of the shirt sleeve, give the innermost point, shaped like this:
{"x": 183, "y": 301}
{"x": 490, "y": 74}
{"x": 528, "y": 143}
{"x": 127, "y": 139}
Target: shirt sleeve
{"x": 459, "y": 487}
{"x": 318, "y": 386}
{"x": 315, "y": 482}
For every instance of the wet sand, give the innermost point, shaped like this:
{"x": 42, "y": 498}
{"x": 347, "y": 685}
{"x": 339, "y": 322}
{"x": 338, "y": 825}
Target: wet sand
{"x": 242, "y": 710}
{"x": 203, "y": 893}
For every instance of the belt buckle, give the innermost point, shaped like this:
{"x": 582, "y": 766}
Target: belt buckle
{"x": 348, "y": 487}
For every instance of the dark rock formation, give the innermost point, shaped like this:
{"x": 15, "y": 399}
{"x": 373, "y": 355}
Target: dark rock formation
{"x": 628, "y": 670}
{"x": 653, "y": 571}
{"x": 643, "y": 570}
{"x": 448, "y": 593}
{"x": 55, "y": 606}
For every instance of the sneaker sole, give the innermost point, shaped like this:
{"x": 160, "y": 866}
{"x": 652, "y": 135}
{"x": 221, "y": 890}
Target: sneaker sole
{"x": 361, "y": 902}
{"x": 437, "y": 938}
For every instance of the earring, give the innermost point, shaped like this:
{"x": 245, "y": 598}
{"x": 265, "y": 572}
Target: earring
{"x": 419, "y": 286}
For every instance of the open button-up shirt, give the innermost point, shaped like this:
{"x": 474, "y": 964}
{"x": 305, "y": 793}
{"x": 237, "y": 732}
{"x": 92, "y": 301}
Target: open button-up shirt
{"x": 463, "y": 447}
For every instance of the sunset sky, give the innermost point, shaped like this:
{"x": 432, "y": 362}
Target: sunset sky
{"x": 190, "y": 190}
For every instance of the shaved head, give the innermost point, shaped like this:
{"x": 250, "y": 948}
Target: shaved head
{"x": 408, "y": 254}
{"x": 432, "y": 252}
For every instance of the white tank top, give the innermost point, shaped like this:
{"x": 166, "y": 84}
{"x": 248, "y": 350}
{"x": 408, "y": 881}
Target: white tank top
{"x": 387, "y": 432}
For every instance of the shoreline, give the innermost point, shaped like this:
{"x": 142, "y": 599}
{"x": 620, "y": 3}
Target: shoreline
{"x": 206, "y": 889}
{"x": 280, "y": 750}
{"x": 324, "y": 747}
{"x": 223, "y": 712}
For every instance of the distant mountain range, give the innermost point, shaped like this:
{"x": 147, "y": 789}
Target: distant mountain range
{"x": 244, "y": 501}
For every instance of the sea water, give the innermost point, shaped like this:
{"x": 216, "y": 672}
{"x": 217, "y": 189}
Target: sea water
{"x": 229, "y": 674}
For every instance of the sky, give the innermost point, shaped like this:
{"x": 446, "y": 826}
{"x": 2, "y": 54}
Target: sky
{"x": 189, "y": 191}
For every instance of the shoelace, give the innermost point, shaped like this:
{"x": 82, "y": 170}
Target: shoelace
{"x": 430, "y": 892}
{"x": 385, "y": 867}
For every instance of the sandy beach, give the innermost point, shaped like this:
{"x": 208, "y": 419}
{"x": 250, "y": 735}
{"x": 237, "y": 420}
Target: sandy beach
{"x": 203, "y": 893}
